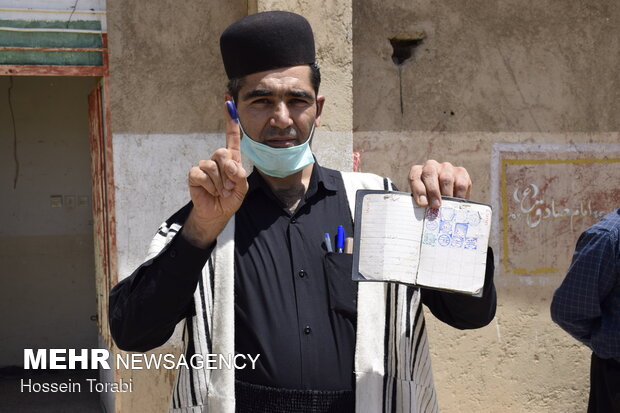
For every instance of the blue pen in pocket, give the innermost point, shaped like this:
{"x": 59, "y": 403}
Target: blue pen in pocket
{"x": 340, "y": 240}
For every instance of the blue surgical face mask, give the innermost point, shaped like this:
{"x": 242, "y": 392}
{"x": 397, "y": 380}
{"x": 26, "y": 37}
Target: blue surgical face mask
{"x": 278, "y": 162}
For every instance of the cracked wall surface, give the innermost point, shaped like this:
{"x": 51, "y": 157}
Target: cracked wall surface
{"x": 486, "y": 81}
{"x": 545, "y": 66}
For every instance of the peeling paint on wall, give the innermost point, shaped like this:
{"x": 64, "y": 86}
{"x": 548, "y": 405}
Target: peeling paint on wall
{"x": 549, "y": 194}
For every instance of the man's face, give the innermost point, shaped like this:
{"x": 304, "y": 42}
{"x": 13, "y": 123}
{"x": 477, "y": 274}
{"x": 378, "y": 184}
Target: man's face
{"x": 278, "y": 107}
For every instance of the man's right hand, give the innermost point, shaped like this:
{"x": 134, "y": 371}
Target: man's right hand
{"x": 217, "y": 187}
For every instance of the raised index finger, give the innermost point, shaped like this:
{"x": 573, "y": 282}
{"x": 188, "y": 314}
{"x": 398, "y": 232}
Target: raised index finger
{"x": 233, "y": 133}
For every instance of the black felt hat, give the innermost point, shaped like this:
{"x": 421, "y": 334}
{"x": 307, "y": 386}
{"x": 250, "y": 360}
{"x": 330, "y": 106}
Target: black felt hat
{"x": 265, "y": 41}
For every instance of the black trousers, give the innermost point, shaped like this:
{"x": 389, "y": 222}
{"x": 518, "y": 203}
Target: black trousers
{"x": 604, "y": 386}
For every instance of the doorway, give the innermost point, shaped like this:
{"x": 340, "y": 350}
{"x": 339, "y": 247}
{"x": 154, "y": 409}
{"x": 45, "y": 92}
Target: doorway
{"x": 47, "y": 276}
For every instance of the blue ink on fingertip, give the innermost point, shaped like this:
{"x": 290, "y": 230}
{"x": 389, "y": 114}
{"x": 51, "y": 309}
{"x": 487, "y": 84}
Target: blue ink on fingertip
{"x": 232, "y": 110}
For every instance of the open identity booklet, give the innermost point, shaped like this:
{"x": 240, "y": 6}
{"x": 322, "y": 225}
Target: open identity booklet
{"x": 397, "y": 240}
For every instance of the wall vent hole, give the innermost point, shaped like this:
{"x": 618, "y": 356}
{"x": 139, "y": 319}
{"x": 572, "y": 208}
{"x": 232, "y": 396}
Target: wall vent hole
{"x": 403, "y": 47}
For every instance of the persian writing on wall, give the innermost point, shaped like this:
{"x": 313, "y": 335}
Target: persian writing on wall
{"x": 547, "y": 198}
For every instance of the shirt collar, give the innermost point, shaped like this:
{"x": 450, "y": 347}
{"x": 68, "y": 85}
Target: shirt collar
{"x": 321, "y": 178}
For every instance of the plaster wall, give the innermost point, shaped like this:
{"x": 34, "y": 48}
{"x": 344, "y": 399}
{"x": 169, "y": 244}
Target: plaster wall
{"x": 509, "y": 65}
{"x": 521, "y": 362}
{"x": 487, "y": 75}
{"x": 47, "y": 282}
{"x": 166, "y": 73}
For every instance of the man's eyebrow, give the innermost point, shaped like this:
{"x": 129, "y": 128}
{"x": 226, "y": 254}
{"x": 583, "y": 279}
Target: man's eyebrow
{"x": 256, "y": 93}
{"x": 300, "y": 94}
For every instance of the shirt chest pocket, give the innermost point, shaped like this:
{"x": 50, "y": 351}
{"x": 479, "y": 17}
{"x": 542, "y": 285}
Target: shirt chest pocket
{"x": 342, "y": 289}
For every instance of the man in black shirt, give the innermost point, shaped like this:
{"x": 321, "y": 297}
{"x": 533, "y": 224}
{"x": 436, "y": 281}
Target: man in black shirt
{"x": 294, "y": 302}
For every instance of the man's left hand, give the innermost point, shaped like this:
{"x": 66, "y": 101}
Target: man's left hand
{"x": 433, "y": 179}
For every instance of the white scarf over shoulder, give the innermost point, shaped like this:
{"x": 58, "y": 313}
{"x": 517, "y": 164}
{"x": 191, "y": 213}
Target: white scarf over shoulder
{"x": 392, "y": 362}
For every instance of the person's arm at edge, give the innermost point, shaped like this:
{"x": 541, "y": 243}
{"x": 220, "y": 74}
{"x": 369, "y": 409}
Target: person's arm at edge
{"x": 576, "y": 303}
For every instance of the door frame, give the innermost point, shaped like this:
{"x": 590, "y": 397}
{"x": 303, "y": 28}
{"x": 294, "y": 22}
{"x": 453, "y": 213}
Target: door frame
{"x": 102, "y": 173}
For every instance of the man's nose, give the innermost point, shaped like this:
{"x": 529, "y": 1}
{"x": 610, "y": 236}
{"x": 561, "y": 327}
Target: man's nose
{"x": 281, "y": 117}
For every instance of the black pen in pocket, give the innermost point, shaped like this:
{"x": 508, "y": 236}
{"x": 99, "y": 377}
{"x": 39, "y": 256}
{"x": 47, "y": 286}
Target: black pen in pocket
{"x": 328, "y": 243}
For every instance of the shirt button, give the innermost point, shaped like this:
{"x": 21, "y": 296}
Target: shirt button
{"x": 307, "y": 330}
{"x": 173, "y": 253}
{"x": 302, "y": 274}
{"x": 293, "y": 220}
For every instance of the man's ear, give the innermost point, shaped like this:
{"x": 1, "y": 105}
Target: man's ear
{"x": 320, "y": 101}
{"x": 228, "y": 96}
